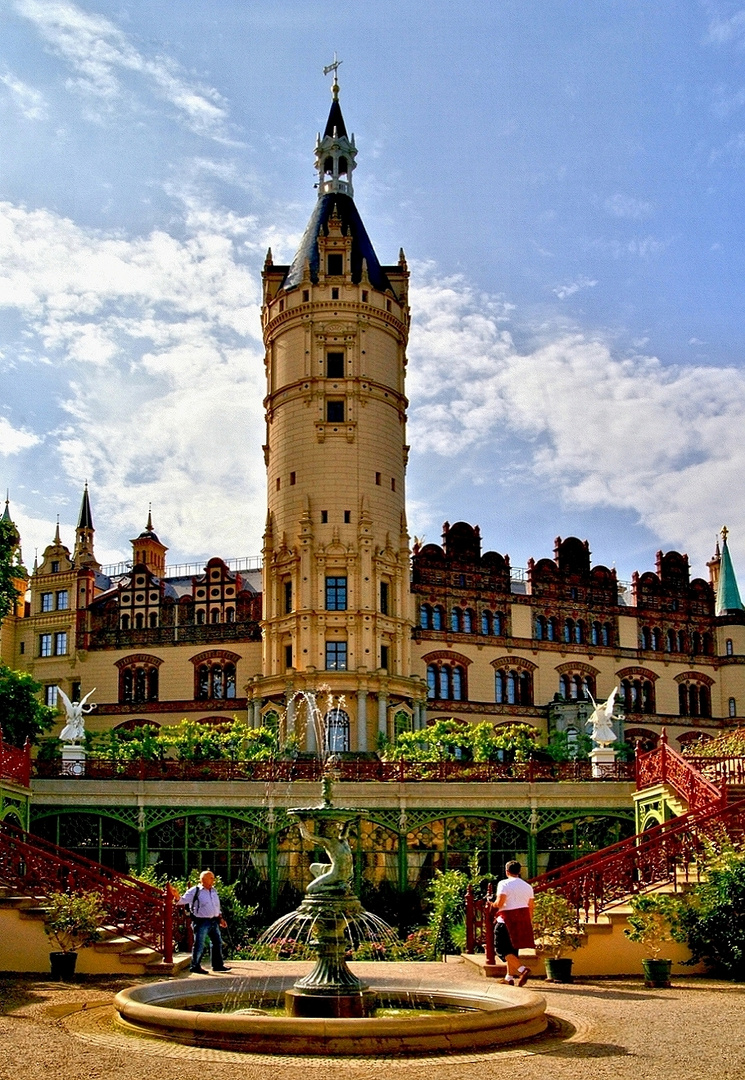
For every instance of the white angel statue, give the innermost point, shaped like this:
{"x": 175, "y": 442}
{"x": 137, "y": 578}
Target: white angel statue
{"x": 74, "y": 729}
{"x": 602, "y": 732}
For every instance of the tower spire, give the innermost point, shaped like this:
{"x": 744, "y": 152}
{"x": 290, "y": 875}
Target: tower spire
{"x": 83, "y": 554}
{"x": 335, "y": 152}
{"x": 728, "y": 594}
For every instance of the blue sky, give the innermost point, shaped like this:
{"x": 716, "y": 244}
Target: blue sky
{"x": 565, "y": 176}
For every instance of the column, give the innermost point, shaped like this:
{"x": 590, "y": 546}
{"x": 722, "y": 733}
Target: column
{"x": 289, "y": 714}
{"x": 362, "y": 721}
{"x": 383, "y": 714}
{"x": 256, "y": 712}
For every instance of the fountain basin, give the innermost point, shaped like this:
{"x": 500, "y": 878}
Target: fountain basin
{"x": 491, "y": 1015}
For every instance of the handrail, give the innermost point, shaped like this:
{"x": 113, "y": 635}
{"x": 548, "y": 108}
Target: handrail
{"x": 664, "y": 765}
{"x": 34, "y": 867}
{"x": 283, "y": 771}
{"x": 15, "y": 762}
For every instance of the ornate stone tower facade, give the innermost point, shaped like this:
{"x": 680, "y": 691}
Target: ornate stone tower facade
{"x": 337, "y": 601}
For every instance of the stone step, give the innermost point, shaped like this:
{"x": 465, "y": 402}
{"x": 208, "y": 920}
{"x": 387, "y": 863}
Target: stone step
{"x": 140, "y": 955}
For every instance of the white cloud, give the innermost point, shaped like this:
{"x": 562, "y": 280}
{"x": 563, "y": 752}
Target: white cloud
{"x": 624, "y": 206}
{"x": 160, "y": 341}
{"x": 563, "y": 291}
{"x": 13, "y": 440}
{"x": 29, "y": 101}
{"x": 724, "y": 29}
{"x": 606, "y": 432}
{"x": 101, "y": 54}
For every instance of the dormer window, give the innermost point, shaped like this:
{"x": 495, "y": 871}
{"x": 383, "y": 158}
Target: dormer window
{"x": 335, "y": 264}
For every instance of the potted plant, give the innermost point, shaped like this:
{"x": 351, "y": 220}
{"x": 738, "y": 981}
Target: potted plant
{"x": 557, "y": 930}
{"x": 71, "y": 922}
{"x": 655, "y": 920}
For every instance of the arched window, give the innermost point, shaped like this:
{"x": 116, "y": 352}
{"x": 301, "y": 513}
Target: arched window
{"x": 657, "y": 639}
{"x": 498, "y": 624}
{"x": 580, "y": 632}
{"x": 438, "y": 618}
{"x": 203, "y": 682}
{"x": 455, "y": 620}
{"x": 336, "y": 723}
{"x": 485, "y": 623}
{"x": 200, "y": 617}
{"x": 670, "y": 641}
{"x": 468, "y": 620}
{"x": 637, "y": 695}
{"x": 457, "y": 684}
{"x": 607, "y": 634}
{"x": 215, "y": 615}
{"x": 139, "y": 621}
{"x": 431, "y": 681}
{"x": 230, "y": 614}
{"x": 425, "y": 617}
{"x": 695, "y": 642}
{"x": 540, "y": 628}
{"x": 552, "y": 630}
{"x": 512, "y": 687}
{"x": 681, "y": 642}
{"x": 446, "y": 682}
{"x": 138, "y": 683}
{"x": 125, "y": 622}
{"x": 568, "y": 631}
{"x": 694, "y": 699}
{"x": 732, "y": 707}
{"x": 707, "y": 644}
{"x": 595, "y": 633}
{"x": 729, "y": 648}
{"x": 215, "y": 680}
{"x": 153, "y": 619}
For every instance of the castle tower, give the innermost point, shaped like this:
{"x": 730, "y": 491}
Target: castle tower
{"x": 337, "y": 602}
{"x": 147, "y": 550}
{"x": 19, "y": 575}
{"x": 83, "y": 555}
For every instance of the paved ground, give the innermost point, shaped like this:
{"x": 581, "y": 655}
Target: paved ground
{"x": 609, "y": 1030}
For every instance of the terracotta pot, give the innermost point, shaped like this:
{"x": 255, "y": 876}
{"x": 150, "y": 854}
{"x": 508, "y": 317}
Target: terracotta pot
{"x": 559, "y": 969}
{"x": 657, "y": 972}
{"x": 62, "y": 965}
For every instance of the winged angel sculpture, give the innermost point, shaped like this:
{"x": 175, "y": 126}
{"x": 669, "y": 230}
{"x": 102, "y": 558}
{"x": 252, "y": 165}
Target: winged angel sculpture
{"x": 74, "y": 729}
{"x": 602, "y": 732}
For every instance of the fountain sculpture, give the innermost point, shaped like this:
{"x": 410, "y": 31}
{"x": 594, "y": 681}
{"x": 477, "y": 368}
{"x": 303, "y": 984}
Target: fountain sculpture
{"x": 330, "y": 1010}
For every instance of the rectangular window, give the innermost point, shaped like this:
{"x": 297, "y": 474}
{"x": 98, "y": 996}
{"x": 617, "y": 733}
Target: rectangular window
{"x": 45, "y": 644}
{"x": 335, "y": 264}
{"x": 335, "y": 365}
{"x": 288, "y": 656}
{"x": 324, "y": 517}
{"x": 63, "y": 600}
{"x": 50, "y": 696}
{"x": 347, "y": 517}
{"x": 334, "y": 294}
{"x": 47, "y": 601}
{"x": 335, "y": 412}
{"x": 279, "y": 483}
{"x": 364, "y": 296}
{"x": 306, "y": 295}
{"x": 22, "y": 647}
{"x": 377, "y": 478}
{"x": 292, "y": 479}
{"x": 288, "y": 597}
{"x": 336, "y": 656}
{"x": 384, "y": 656}
{"x": 60, "y": 643}
{"x": 393, "y": 483}
{"x": 75, "y": 692}
{"x": 336, "y": 594}
{"x": 55, "y": 566}
{"x": 384, "y": 599}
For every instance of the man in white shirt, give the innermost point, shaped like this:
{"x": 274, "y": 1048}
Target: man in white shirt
{"x": 513, "y": 929}
{"x": 206, "y": 920}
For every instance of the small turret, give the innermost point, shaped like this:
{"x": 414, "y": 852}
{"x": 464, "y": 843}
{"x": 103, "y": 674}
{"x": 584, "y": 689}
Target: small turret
{"x": 728, "y": 594}
{"x": 147, "y": 549}
{"x": 83, "y": 555}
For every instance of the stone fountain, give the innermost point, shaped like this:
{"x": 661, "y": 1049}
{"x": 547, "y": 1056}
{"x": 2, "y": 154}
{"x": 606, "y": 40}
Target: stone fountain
{"x": 330, "y": 1010}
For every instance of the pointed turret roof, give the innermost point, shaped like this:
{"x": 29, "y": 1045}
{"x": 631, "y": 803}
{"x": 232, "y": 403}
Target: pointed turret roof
{"x": 728, "y": 594}
{"x": 335, "y": 124}
{"x": 85, "y": 518}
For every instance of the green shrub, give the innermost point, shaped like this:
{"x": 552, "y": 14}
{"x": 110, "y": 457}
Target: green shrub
{"x": 555, "y": 924}
{"x": 655, "y": 920}
{"x": 714, "y": 915}
{"x": 73, "y": 922}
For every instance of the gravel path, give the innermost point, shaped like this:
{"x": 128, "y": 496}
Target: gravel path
{"x": 608, "y": 1030}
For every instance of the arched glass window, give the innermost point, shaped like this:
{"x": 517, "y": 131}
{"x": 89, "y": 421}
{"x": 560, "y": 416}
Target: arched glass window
{"x": 455, "y": 620}
{"x": 595, "y": 634}
{"x": 337, "y": 731}
{"x": 230, "y": 680}
{"x": 217, "y": 683}
{"x": 431, "y": 681}
{"x": 657, "y": 639}
{"x": 230, "y": 614}
{"x": 707, "y": 644}
{"x": 438, "y": 618}
{"x": 500, "y": 690}
{"x": 732, "y": 707}
{"x": 670, "y": 641}
{"x": 695, "y": 642}
{"x": 457, "y": 684}
{"x": 552, "y": 630}
{"x": 200, "y": 617}
{"x": 564, "y": 687}
{"x": 203, "y": 682}
{"x": 152, "y": 684}
{"x": 140, "y": 685}
{"x": 568, "y": 630}
{"x": 125, "y": 622}
{"x": 215, "y": 615}
{"x": 607, "y": 634}
{"x": 540, "y": 628}
{"x": 681, "y": 642}
{"x": 127, "y": 685}
{"x": 444, "y": 683}
{"x": 498, "y": 624}
{"x": 526, "y": 688}
{"x": 579, "y": 632}
{"x": 139, "y": 621}
{"x": 729, "y": 649}
{"x": 485, "y": 622}
{"x": 683, "y": 700}
{"x": 468, "y": 621}
{"x": 511, "y": 688}
{"x": 425, "y": 617}
{"x": 153, "y": 619}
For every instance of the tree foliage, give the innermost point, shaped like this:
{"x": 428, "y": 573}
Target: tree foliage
{"x": 10, "y": 569}
{"x": 452, "y": 740}
{"x": 22, "y": 716}
{"x": 714, "y": 918}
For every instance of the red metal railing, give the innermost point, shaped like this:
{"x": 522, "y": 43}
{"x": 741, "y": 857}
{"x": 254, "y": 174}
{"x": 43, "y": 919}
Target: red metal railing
{"x": 34, "y": 867}
{"x": 15, "y": 763}
{"x": 660, "y": 855}
{"x": 728, "y": 770}
{"x": 666, "y": 766}
{"x": 281, "y": 771}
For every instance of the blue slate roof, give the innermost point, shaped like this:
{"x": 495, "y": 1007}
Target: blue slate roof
{"x": 351, "y": 224}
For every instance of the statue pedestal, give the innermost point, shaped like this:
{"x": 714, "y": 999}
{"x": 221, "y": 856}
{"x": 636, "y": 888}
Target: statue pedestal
{"x": 603, "y": 759}
{"x": 73, "y": 761}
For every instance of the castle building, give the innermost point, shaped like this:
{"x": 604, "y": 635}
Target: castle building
{"x": 339, "y": 599}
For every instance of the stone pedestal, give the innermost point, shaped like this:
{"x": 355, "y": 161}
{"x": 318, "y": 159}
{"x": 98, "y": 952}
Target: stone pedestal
{"x": 73, "y": 761}
{"x": 602, "y": 758}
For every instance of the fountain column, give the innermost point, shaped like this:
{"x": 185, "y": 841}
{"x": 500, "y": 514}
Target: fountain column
{"x": 383, "y": 714}
{"x": 289, "y": 714}
{"x": 362, "y": 720}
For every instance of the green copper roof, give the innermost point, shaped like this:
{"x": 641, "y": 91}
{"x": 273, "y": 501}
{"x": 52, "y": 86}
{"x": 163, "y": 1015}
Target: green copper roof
{"x": 728, "y": 595}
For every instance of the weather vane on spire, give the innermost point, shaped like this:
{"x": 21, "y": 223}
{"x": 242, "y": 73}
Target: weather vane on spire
{"x": 335, "y": 68}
